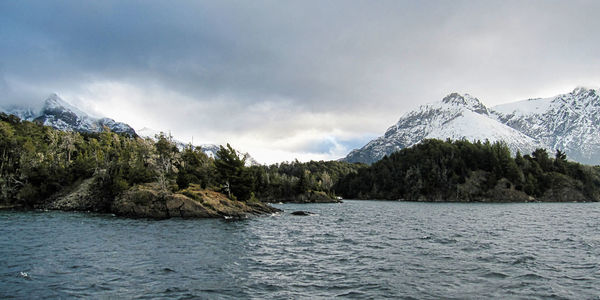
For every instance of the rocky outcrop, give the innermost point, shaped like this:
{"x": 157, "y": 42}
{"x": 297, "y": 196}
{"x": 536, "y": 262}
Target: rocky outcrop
{"x": 81, "y": 197}
{"x": 149, "y": 201}
{"x": 505, "y": 191}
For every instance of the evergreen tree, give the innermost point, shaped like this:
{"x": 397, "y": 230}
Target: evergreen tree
{"x": 232, "y": 173}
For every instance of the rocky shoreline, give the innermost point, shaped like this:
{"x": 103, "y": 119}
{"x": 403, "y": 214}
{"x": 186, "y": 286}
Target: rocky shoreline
{"x": 150, "y": 201}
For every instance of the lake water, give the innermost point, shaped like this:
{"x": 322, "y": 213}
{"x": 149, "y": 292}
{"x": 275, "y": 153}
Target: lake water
{"x": 358, "y": 249}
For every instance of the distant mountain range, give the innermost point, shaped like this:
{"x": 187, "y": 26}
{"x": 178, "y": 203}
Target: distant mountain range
{"x": 61, "y": 115}
{"x": 569, "y": 122}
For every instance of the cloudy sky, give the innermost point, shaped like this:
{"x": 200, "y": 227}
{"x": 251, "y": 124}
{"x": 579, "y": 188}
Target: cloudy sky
{"x": 290, "y": 79}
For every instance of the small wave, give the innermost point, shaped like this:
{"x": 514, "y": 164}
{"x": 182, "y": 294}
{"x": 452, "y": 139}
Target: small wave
{"x": 495, "y": 275}
{"x": 371, "y": 246}
{"x": 445, "y": 241}
{"x": 174, "y": 290}
{"x": 584, "y": 266}
{"x": 100, "y": 287}
{"x": 351, "y": 295}
{"x": 531, "y": 276}
{"x": 349, "y": 241}
{"x": 523, "y": 259}
{"x": 487, "y": 258}
{"x": 579, "y": 278}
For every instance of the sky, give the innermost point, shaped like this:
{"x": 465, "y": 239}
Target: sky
{"x": 287, "y": 80}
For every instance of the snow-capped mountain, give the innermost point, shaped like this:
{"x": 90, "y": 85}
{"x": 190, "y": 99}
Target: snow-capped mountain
{"x": 569, "y": 122}
{"x": 61, "y": 115}
{"x": 455, "y": 117}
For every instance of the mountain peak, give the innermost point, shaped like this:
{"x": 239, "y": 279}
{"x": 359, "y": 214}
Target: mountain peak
{"x": 582, "y": 90}
{"x": 55, "y": 104}
{"x": 53, "y": 96}
{"x": 456, "y": 116}
{"x": 467, "y": 101}
{"x": 54, "y": 99}
{"x": 457, "y": 98}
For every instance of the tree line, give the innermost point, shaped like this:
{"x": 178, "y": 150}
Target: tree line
{"x": 435, "y": 170}
{"x": 37, "y": 162}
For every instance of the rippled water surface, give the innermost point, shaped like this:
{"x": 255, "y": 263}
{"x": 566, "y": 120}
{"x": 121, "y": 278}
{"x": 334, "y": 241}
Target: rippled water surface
{"x": 358, "y": 249}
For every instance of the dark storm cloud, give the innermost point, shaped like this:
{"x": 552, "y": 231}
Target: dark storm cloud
{"x": 287, "y": 62}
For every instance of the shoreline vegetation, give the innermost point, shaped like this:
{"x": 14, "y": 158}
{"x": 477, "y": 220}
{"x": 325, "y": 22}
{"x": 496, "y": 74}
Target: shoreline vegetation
{"x": 44, "y": 168}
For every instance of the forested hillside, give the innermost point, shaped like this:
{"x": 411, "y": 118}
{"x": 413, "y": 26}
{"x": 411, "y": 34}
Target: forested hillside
{"x": 435, "y": 170}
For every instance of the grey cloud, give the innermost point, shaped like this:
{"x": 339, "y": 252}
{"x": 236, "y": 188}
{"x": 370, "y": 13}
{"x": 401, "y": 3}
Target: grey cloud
{"x": 363, "y": 58}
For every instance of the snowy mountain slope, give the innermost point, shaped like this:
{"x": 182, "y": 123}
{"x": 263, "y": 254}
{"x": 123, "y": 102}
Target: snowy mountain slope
{"x": 473, "y": 127}
{"x": 455, "y": 117}
{"x": 61, "y": 115}
{"x": 569, "y": 122}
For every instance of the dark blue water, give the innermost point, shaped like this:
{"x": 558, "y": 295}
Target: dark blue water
{"x": 358, "y": 249}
